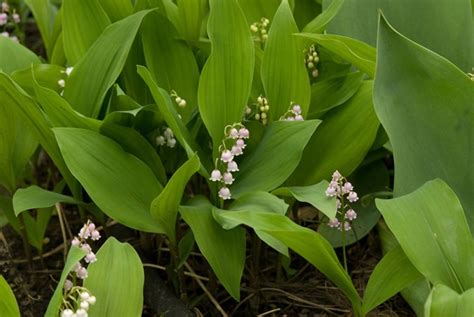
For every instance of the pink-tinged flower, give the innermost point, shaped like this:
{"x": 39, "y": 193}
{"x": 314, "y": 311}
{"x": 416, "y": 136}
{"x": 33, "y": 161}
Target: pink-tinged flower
{"x": 227, "y": 156}
{"x": 347, "y": 187}
{"x": 5, "y": 34}
{"x": 67, "y": 313}
{"x": 334, "y": 223}
{"x": 347, "y": 226}
{"x": 14, "y": 39}
{"x": 3, "y": 19}
{"x": 336, "y": 176}
{"x": 352, "y": 197}
{"x": 84, "y": 296}
{"x": 228, "y": 178}
{"x": 216, "y": 175}
{"x": 244, "y": 133}
{"x": 290, "y": 119}
{"x": 331, "y": 191}
{"x": 16, "y": 18}
{"x": 90, "y": 257}
{"x": 91, "y": 227}
{"x": 299, "y": 117}
{"x": 75, "y": 242}
{"x": 296, "y": 109}
{"x": 234, "y": 133}
{"x": 82, "y": 273}
{"x": 232, "y": 166}
{"x": 224, "y": 193}
{"x": 95, "y": 235}
{"x": 86, "y": 247}
{"x": 350, "y": 215}
{"x": 338, "y": 203}
{"x": 5, "y": 7}
{"x": 240, "y": 143}
{"x": 68, "y": 285}
{"x": 237, "y": 150}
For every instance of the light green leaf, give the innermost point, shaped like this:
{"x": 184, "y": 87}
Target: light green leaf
{"x": 226, "y": 79}
{"x": 432, "y": 26}
{"x": 223, "y": 249}
{"x": 439, "y": 246}
{"x": 191, "y": 16}
{"x": 116, "y": 280}
{"x": 314, "y": 195}
{"x": 254, "y": 10}
{"x": 47, "y": 75}
{"x": 425, "y": 104}
{"x": 117, "y": 9}
{"x": 444, "y": 301}
{"x": 257, "y": 171}
{"x": 120, "y": 184}
{"x": 98, "y": 69}
{"x": 332, "y": 148}
{"x": 164, "y": 208}
{"x": 360, "y": 54}
{"x": 392, "y": 274}
{"x": 77, "y": 35}
{"x": 36, "y": 197}
{"x": 319, "y": 23}
{"x": 170, "y": 61}
{"x": 75, "y": 254}
{"x": 15, "y": 56}
{"x": 283, "y": 72}
{"x": 8, "y": 304}
{"x": 44, "y": 13}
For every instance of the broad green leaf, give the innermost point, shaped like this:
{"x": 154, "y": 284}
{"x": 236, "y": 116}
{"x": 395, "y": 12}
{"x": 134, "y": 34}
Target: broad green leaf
{"x": 275, "y": 157}
{"x": 98, "y": 69}
{"x": 329, "y": 93}
{"x": 283, "y": 71}
{"x": 391, "y": 275}
{"x": 15, "y": 56}
{"x": 164, "y": 208}
{"x": 75, "y": 254}
{"x": 226, "y": 79}
{"x": 446, "y": 28}
{"x": 304, "y": 11}
{"x": 319, "y": 23}
{"x": 444, "y": 301}
{"x": 134, "y": 143}
{"x": 425, "y": 104}
{"x": 44, "y": 13}
{"x": 314, "y": 195}
{"x": 8, "y": 304}
{"x": 170, "y": 61}
{"x": 223, "y": 249}
{"x": 307, "y": 243}
{"x": 77, "y": 35}
{"x": 333, "y": 148}
{"x": 58, "y": 57}
{"x": 36, "y": 197}
{"x": 117, "y": 9}
{"x": 120, "y": 184}
{"x": 191, "y": 17}
{"x": 358, "y": 53}
{"x": 433, "y": 232}
{"x": 254, "y": 10}
{"x": 116, "y": 280}
{"x": 47, "y": 75}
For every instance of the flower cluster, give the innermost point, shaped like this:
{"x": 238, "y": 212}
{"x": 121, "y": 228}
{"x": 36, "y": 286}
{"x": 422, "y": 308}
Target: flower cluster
{"x": 166, "y": 139}
{"x": 9, "y": 20}
{"x": 344, "y": 192}
{"x": 261, "y": 110}
{"x": 181, "y": 102}
{"x": 293, "y": 114}
{"x": 311, "y": 60}
{"x": 260, "y": 29}
{"x": 225, "y": 165}
{"x": 77, "y": 299}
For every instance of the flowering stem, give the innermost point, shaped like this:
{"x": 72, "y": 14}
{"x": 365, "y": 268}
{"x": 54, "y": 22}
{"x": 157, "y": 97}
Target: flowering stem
{"x": 344, "y": 257}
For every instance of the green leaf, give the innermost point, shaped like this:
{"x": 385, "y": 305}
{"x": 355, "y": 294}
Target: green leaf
{"x": 257, "y": 171}
{"x": 120, "y": 184}
{"x": 254, "y": 10}
{"x": 15, "y": 56}
{"x": 332, "y": 148}
{"x": 392, "y": 274}
{"x": 98, "y": 69}
{"x": 8, "y": 304}
{"x": 117, "y": 9}
{"x": 358, "y": 53}
{"x": 116, "y": 280}
{"x": 431, "y": 26}
{"x": 191, "y": 16}
{"x": 75, "y": 255}
{"x": 77, "y": 35}
{"x": 319, "y": 23}
{"x": 34, "y": 197}
{"x": 283, "y": 72}
{"x": 330, "y": 93}
{"x": 223, "y": 249}
{"x": 44, "y": 13}
{"x": 444, "y": 301}
{"x": 164, "y": 208}
{"x": 314, "y": 195}
{"x": 439, "y": 246}
{"x": 47, "y": 75}
{"x": 226, "y": 79}
{"x": 170, "y": 61}
{"x": 425, "y": 104}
